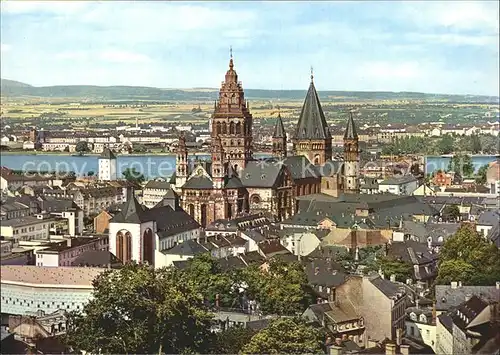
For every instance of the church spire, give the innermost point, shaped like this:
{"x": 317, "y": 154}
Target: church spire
{"x": 279, "y": 138}
{"x": 350, "y": 132}
{"x": 312, "y": 122}
{"x": 312, "y": 136}
{"x": 279, "y": 129}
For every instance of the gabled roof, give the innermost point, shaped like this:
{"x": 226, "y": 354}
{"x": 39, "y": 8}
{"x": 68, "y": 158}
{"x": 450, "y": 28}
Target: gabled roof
{"x": 312, "y": 123}
{"x": 350, "y": 131}
{"x": 301, "y": 168}
{"x": 233, "y": 183}
{"x": 261, "y": 173}
{"x": 107, "y": 154}
{"x": 132, "y": 212}
{"x": 155, "y": 184}
{"x": 279, "y": 129}
{"x": 198, "y": 182}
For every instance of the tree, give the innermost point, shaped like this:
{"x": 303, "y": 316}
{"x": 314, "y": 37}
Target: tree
{"x": 390, "y": 266}
{"x": 140, "y": 310}
{"x": 469, "y": 257}
{"x": 461, "y": 164}
{"x": 82, "y": 147}
{"x": 451, "y": 212}
{"x": 131, "y": 174}
{"x": 475, "y": 144}
{"x": 205, "y": 275}
{"x": 481, "y": 174}
{"x": 282, "y": 289}
{"x": 232, "y": 340}
{"x": 286, "y": 336}
{"x": 90, "y": 173}
{"x": 446, "y": 144}
{"x": 139, "y": 148}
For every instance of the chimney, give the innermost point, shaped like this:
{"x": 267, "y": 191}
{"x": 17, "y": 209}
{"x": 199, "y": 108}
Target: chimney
{"x": 399, "y": 335}
{"x": 393, "y": 278}
{"x": 417, "y": 302}
{"x": 390, "y": 349}
{"x": 404, "y": 349}
{"x": 459, "y": 283}
{"x": 454, "y": 284}
{"x": 335, "y": 350}
{"x": 498, "y": 285}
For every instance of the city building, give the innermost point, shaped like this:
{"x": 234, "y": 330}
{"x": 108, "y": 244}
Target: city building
{"x": 27, "y": 228}
{"x": 234, "y": 183}
{"x": 65, "y": 254}
{"x": 399, "y": 185}
{"x": 381, "y": 302}
{"x": 107, "y": 165}
{"x": 27, "y": 289}
{"x": 139, "y": 234}
{"x": 154, "y": 191}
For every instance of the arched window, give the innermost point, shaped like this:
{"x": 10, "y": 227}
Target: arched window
{"x": 231, "y": 128}
{"x": 218, "y": 130}
{"x": 238, "y": 128}
{"x": 148, "y": 246}
{"x": 255, "y": 199}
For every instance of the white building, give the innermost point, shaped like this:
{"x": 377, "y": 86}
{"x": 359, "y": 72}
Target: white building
{"x": 399, "y": 185}
{"x": 27, "y": 289}
{"x": 27, "y": 228}
{"x": 65, "y": 253}
{"x": 107, "y": 165}
{"x": 421, "y": 326}
{"x": 139, "y": 234}
{"x": 154, "y": 191}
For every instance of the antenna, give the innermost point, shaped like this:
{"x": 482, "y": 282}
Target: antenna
{"x": 231, "y": 51}
{"x": 312, "y": 73}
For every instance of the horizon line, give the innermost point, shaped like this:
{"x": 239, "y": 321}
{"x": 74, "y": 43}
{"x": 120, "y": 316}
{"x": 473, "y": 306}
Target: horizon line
{"x": 217, "y": 89}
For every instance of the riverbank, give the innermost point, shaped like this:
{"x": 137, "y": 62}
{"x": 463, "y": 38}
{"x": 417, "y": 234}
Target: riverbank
{"x": 73, "y": 154}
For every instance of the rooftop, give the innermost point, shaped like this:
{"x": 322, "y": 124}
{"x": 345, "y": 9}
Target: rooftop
{"x": 43, "y": 276}
{"x": 399, "y": 180}
{"x": 25, "y": 221}
{"x": 70, "y": 244}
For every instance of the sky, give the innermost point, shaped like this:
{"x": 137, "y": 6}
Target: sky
{"x": 435, "y": 47}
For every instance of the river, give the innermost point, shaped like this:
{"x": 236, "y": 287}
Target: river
{"x": 154, "y": 165}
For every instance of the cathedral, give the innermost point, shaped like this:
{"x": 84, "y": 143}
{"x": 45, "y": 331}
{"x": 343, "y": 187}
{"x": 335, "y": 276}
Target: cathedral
{"x": 234, "y": 183}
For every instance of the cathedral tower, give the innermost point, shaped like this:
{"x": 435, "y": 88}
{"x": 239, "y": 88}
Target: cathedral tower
{"x": 312, "y": 137}
{"x": 218, "y": 168}
{"x": 181, "y": 162}
{"x": 351, "y": 157}
{"x": 279, "y": 139}
{"x": 232, "y": 121}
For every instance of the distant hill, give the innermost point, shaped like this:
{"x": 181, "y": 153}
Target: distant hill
{"x": 10, "y": 88}
{"x": 13, "y": 84}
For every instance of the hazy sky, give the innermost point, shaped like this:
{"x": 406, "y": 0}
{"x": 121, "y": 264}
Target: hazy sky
{"x": 440, "y": 47}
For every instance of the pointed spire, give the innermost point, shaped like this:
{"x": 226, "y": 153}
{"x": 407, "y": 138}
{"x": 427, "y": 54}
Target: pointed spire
{"x": 350, "y": 132}
{"x": 279, "y": 129}
{"x": 312, "y": 122}
{"x": 312, "y": 74}
{"x": 231, "y": 64}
